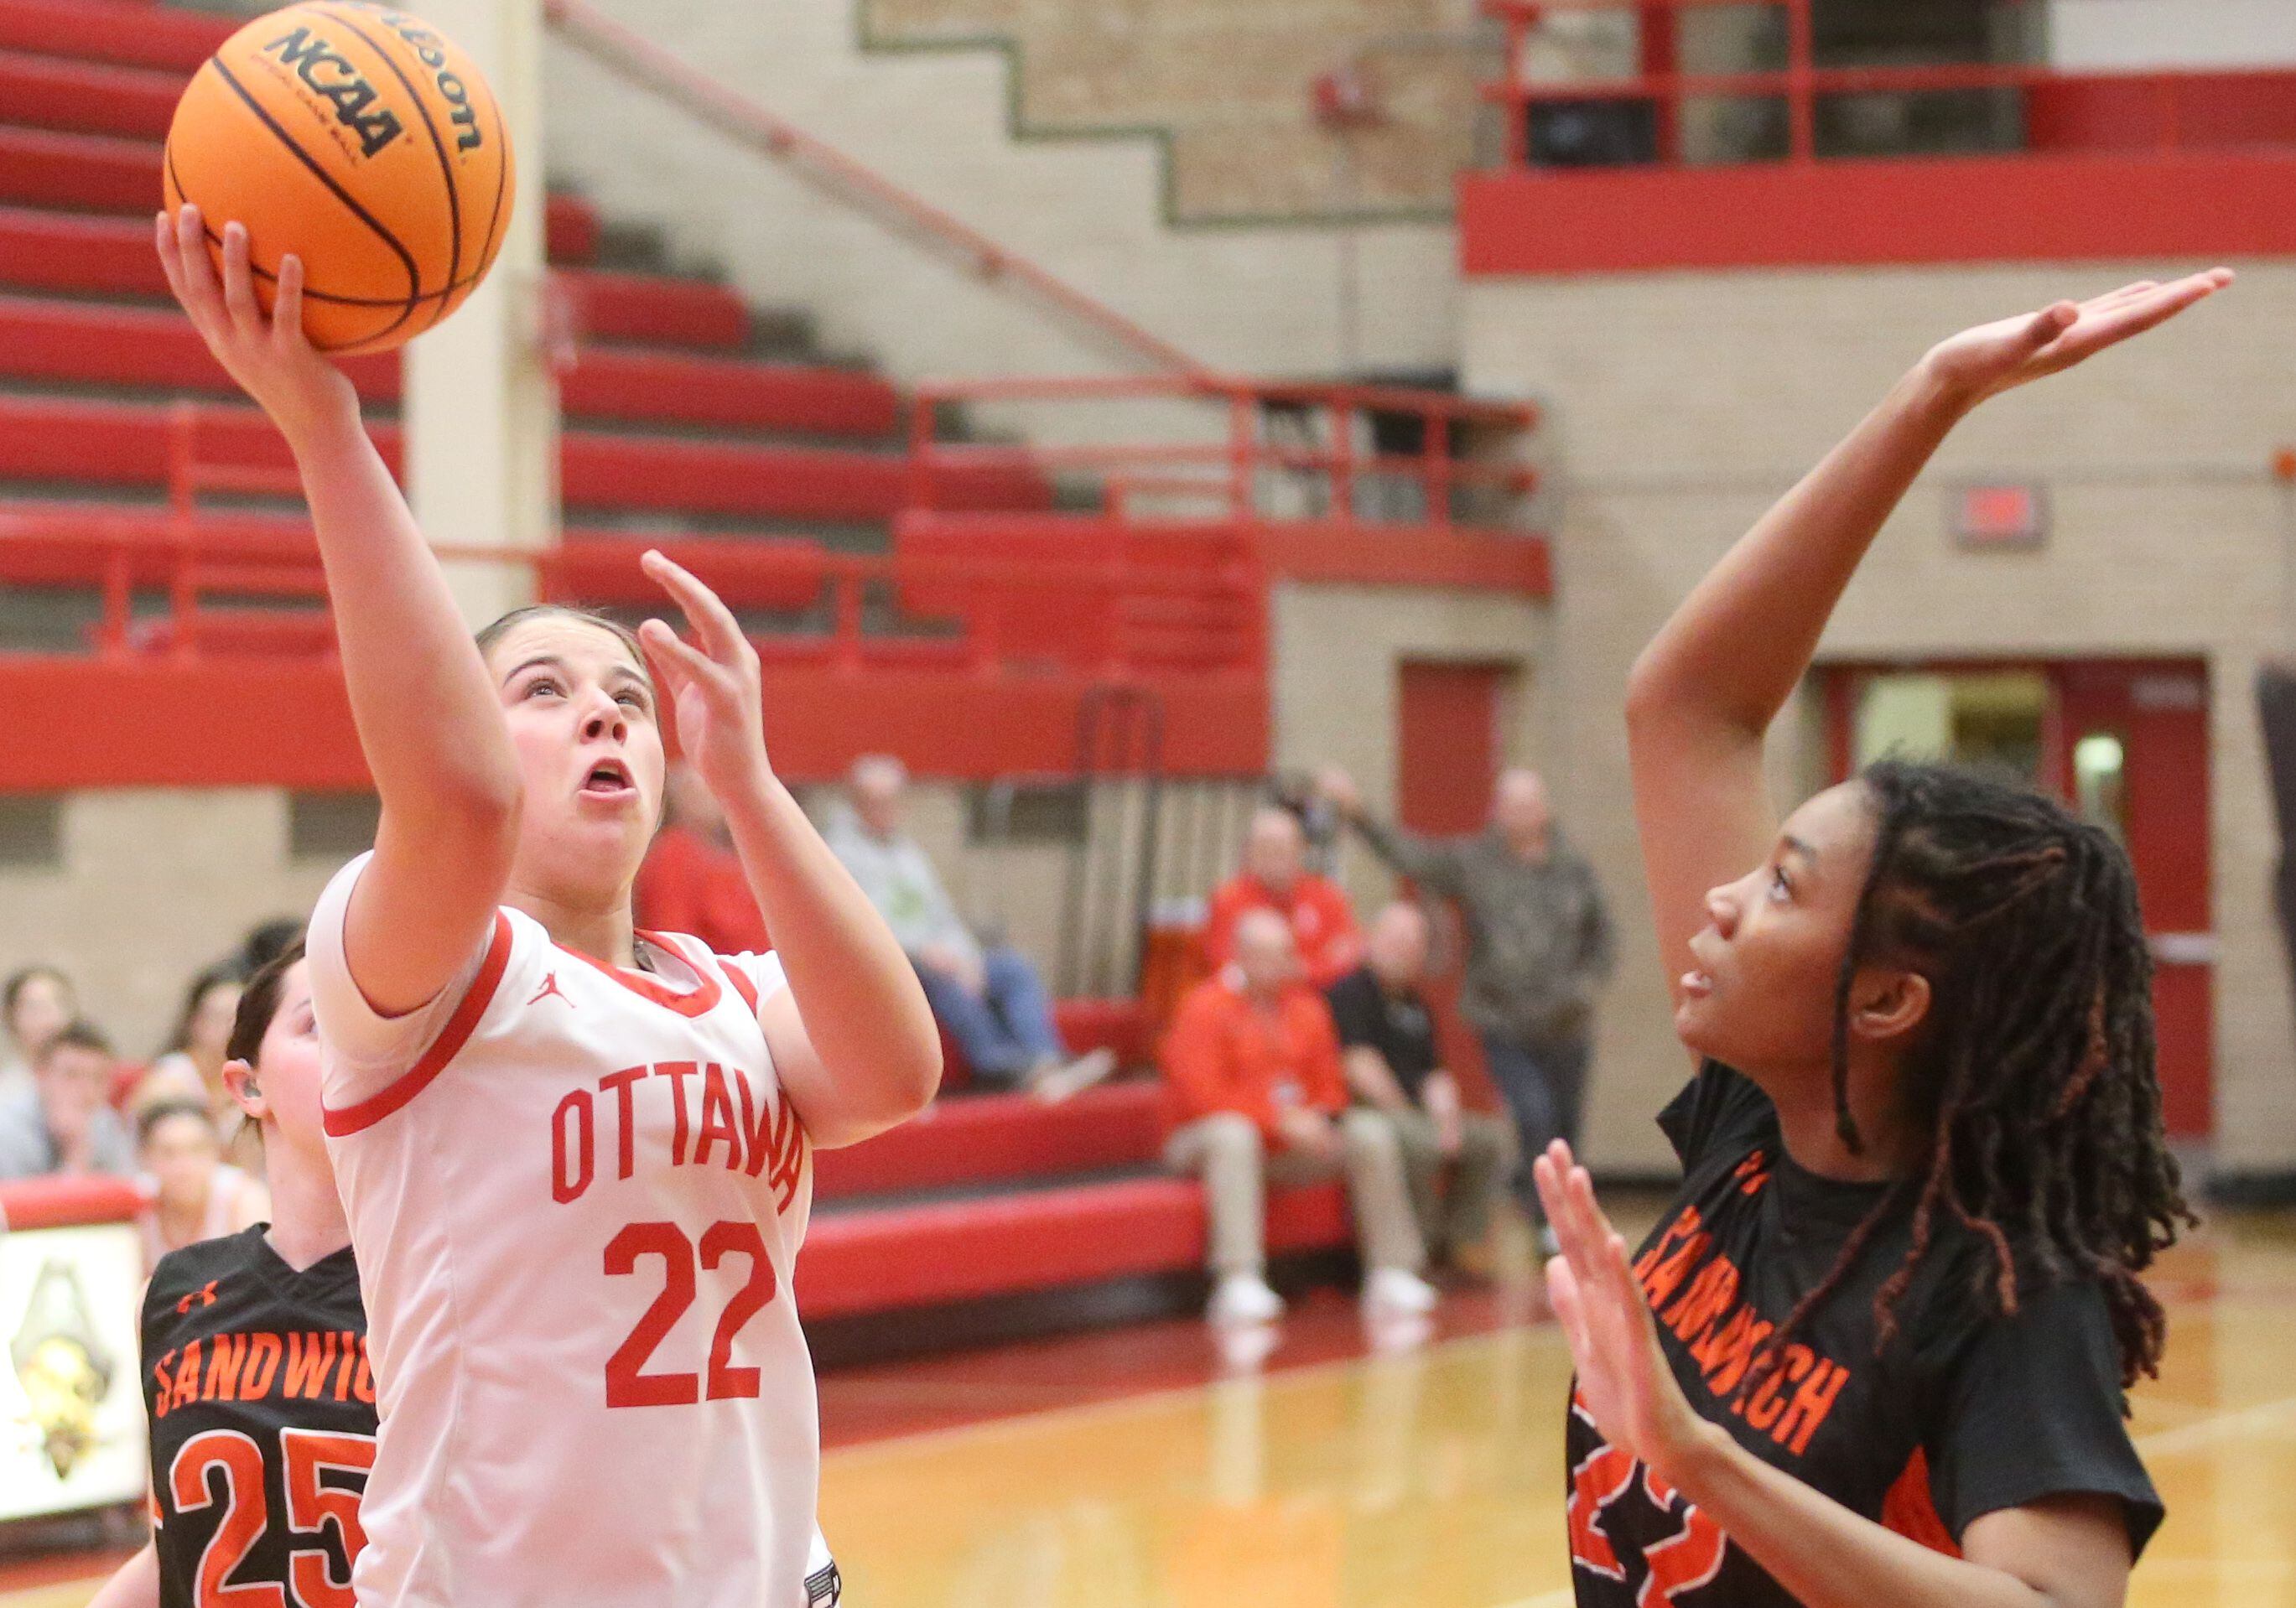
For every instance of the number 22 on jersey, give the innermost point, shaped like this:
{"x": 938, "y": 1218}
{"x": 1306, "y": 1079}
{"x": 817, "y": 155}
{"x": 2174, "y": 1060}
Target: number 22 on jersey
{"x": 627, "y": 1384}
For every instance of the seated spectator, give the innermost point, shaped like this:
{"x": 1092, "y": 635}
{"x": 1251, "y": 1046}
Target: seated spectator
{"x": 194, "y": 1193}
{"x": 1253, "y": 1069}
{"x": 191, "y": 1067}
{"x": 692, "y": 881}
{"x": 62, "y": 1125}
{"x": 35, "y": 1005}
{"x": 1275, "y": 878}
{"x": 1387, "y": 1039}
{"x": 989, "y": 999}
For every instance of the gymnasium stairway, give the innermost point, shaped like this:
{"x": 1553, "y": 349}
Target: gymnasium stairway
{"x": 682, "y": 418}
{"x": 688, "y": 417}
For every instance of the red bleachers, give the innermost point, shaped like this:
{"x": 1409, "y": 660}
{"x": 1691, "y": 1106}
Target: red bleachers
{"x": 676, "y": 433}
{"x": 87, "y": 97}
{"x": 916, "y": 1255}
{"x": 151, "y": 36}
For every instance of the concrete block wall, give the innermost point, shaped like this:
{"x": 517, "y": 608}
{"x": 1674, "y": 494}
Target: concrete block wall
{"x": 1230, "y": 88}
{"x": 1253, "y": 299}
{"x": 1682, "y": 404}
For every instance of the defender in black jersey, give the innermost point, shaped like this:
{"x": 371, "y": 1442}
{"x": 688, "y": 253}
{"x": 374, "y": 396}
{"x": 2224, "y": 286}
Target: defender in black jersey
{"x": 261, "y": 1401}
{"x": 1875, "y": 1353}
{"x": 263, "y": 1421}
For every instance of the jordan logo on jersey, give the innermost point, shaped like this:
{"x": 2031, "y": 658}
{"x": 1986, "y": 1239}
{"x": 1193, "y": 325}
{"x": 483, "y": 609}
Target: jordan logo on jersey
{"x": 550, "y": 987}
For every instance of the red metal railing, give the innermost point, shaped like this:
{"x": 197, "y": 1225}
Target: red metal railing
{"x": 631, "y": 56}
{"x": 232, "y": 583}
{"x": 1241, "y": 469}
{"x": 2161, "y": 110}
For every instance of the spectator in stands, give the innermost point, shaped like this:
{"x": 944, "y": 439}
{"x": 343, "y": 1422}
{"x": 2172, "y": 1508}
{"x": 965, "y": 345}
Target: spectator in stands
{"x": 191, "y": 1067}
{"x": 693, "y": 881}
{"x": 1539, "y": 945}
{"x": 266, "y": 942}
{"x": 63, "y": 1124}
{"x": 1387, "y": 1043}
{"x": 1253, "y": 1078}
{"x": 193, "y": 1194}
{"x": 989, "y": 999}
{"x": 1275, "y": 878}
{"x": 36, "y": 1003}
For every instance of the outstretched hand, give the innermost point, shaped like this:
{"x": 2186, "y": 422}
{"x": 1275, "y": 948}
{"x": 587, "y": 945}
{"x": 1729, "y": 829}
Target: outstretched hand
{"x": 714, "y": 687}
{"x": 1995, "y": 357}
{"x": 271, "y": 358}
{"x": 1623, "y": 1377}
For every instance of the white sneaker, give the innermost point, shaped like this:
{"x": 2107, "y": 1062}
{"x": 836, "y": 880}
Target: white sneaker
{"x": 1398, "y": 1290}
{"x": 1074, "y": 1077}
{"x": 1243, "y": 1298}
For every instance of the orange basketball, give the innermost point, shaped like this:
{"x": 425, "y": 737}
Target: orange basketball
{"x": 360, "y": 140}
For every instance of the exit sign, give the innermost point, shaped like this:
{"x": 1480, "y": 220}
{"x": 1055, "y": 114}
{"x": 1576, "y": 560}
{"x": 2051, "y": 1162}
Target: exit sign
{"x": 2000, "y": 516}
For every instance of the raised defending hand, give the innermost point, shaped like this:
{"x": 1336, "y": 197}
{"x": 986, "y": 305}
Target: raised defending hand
{"x": 1994, "y": 357}
{"x": 270, "y": 357}
{"x": 1623, "y": 1376}
{"x": 715, "y": 687}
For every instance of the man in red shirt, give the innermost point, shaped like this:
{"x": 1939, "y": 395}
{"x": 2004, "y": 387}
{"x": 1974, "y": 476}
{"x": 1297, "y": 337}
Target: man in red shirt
{"x": 1275, "y": 878}
{"x": 692, "y": 881}
{"x": 1256, "y": 1091}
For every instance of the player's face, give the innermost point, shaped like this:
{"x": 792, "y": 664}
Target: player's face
{"x": 583, "y": 719}
{"x": 1762, "y": 996}
{"x": 287, "y": 1068}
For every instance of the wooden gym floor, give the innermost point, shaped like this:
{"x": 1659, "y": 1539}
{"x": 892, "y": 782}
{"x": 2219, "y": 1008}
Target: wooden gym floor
{"x": 1142, "y": 1468}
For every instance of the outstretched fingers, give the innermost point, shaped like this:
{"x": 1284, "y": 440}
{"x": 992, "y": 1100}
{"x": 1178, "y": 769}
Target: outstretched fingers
{"x": 195, "y": 278}
{"x": 676, "y": 664}
{"x": 704, "y": 610}
{"x": 287, "y": 304}
{"x": 239, "y": 284}
{"x": 2135, "y": 310}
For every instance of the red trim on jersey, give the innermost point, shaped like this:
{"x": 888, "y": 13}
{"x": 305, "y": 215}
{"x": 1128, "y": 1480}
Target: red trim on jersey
{"x": 739, "y": 979}
{"x": 1909, "y": 1510}
{"x": 697, "y": 1001}
{"x": 450, "y": 1041}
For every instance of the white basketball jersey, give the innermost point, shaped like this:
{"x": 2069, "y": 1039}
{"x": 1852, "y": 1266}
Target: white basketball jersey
{"x": 576, "y": 1203}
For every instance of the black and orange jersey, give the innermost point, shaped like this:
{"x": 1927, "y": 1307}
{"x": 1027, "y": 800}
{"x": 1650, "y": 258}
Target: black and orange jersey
{"x": 263, "y": 1420}
{"x": 1964, "y": 1412}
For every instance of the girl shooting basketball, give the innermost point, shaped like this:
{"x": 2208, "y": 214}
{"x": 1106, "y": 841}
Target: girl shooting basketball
{"x": 575, "y": 1158}
{"x": 1875, "y": 1351}
{"x": 255, "y": 1474}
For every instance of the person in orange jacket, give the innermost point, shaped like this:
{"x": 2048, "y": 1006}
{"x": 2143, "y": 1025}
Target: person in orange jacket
{"x": 1256, "y": 1093}
{"x": 1275, "y": 878}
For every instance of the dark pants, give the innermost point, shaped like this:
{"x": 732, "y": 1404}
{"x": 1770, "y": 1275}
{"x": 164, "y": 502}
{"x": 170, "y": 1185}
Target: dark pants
{"x": 1544, "y": 1086}
{"x": 1003, "y": 1029}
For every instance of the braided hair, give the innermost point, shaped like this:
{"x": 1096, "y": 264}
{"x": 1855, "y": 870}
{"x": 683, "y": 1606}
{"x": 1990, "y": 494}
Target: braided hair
{"x": 2033, "y": 1077}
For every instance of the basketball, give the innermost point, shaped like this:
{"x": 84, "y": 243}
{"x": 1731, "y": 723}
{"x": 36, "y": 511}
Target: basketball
{"x": 361, "y": 140}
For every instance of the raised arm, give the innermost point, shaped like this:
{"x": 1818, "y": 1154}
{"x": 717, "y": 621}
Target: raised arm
{"x": 1434, "y": 863}
{"x": 853, "y": 1040}
{"x": 428, "y": 720}
{"x": 1707, "y": 687}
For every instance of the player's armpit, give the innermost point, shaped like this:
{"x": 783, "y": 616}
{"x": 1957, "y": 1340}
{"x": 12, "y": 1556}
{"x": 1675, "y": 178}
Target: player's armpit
{"x": 2072, "y": 1548}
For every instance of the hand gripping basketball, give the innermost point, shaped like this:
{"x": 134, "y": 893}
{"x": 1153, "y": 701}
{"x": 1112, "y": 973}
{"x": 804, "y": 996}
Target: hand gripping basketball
{"x": 270, "y": 357}
{"x": 714, "y": 687}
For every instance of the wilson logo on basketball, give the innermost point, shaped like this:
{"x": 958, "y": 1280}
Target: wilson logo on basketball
{"x": 329, "y": 74}
{"x": 429, "y": 50}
